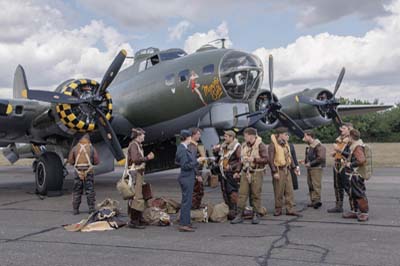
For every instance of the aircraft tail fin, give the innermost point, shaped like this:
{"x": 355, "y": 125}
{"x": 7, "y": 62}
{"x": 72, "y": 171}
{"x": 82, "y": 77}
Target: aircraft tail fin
{"x": 20, "y": 87}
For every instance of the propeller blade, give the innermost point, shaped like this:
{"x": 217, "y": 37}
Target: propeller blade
{"x": 242, "y": 114}
{"x": 339, "y": 81}
{"x": 271, "y": 73}
{"x": 53, "y": 97}
{"x": 309, "y": 100}
{"x": 255, "y": 118}
{"x": 111, "y": 72}
{"x": 336, "y": 119}
{"x": 289, "y": 123}
{"x": 108, "y": 135}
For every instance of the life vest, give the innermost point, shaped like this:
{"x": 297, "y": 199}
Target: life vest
{"x": 282, "y": 153}
{"x": 252, "y": 152}
{"x": 341, "y": 143}
{"x": 83, "y": 163}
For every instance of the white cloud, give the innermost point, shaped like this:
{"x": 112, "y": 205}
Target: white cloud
{"x": 372, "y": 61}
{"x": 199, "y": 39}
{"x": 176, "y": 32}
{"x": 313, "y": 12}
{"x": 19, "y": 18}
{"x": 51, "y": 53}
{"x": 139, "y": 13}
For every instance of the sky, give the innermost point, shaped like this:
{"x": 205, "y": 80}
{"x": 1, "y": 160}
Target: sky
{"x": 311, "y": 40}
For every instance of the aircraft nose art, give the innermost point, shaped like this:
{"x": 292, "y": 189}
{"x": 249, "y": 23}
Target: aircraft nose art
{"x": 241, "y": 74}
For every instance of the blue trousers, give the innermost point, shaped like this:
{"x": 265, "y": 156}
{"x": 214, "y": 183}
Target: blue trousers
{"x": 187, "y": 184}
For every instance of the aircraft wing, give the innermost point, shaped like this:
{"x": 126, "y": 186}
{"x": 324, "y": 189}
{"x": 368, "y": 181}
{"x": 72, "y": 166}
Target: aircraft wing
{"x": 359, "y": 109}
{"x": 18, "y": 117}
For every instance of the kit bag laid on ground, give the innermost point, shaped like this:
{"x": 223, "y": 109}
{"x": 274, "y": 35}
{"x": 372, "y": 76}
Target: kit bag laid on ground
{"x": 156, "y": 216}
{"x": 220, "y": 213}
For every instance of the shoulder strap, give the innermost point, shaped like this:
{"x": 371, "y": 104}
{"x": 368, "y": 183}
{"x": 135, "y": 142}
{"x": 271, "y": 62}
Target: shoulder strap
{"x": 83, "y": 150}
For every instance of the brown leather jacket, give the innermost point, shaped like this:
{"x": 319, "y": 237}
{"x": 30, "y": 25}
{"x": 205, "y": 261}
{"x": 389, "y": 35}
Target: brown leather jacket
{"x": 264, "y": 158}
{"x": 136, "y": 155}
{"x": 91, "y": 151}
{"x": 358, "y": 157}
{"x": 271, "y": 154}
{"x": 316, "y": 155}
{"x": 234, "y": 162}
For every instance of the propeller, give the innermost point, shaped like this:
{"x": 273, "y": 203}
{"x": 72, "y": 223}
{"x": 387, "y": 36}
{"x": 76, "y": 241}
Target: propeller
{"x": 272, "y": 109}
{"x": 328, "y": 105}
{"x": 93, "y": 102}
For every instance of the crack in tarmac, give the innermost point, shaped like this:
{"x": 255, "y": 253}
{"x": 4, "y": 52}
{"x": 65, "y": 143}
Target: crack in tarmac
{"x": 32, "y": 234}
{"x": 17, "y": 201}
{"x": 264, "y": 260}
{"x": 172, "y": 250}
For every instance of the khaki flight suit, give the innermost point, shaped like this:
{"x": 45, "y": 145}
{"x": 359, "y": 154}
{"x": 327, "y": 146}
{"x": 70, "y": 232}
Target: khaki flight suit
{"x": 316, "y": 157}
{"x": 251, "y": 180}
{"x": 136, "y": 157}
{"x": 283, "y": 187}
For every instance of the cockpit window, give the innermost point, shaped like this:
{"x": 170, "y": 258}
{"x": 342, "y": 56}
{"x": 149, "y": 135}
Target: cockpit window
{"x": 241, "y": 74}
{"x": 184, "y": 75}
{"x": 152, "y": 61}
{"x": 208, "y": 69}
{"x": 169, "y": 55}
{"x": 142, "y": 66}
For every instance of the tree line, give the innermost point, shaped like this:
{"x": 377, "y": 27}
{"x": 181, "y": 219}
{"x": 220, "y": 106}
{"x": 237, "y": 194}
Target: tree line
{"x": 381, "y": 126}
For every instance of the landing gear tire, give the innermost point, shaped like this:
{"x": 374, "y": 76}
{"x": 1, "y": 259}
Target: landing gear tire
{"x": 49, "y": 176}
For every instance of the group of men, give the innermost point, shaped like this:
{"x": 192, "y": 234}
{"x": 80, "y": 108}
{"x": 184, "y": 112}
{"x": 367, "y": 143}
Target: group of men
{"x": 241, "y": 168}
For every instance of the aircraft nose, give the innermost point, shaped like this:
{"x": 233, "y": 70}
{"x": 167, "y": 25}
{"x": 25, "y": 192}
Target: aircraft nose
{"x": 241, "y": 74}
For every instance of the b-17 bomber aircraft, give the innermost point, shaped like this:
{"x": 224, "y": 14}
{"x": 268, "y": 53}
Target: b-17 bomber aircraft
{"x": 162, "y": 92}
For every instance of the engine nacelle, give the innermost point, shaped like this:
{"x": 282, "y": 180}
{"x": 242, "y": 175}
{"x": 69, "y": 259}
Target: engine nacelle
{"x": 73, "y": 118}
{"x": 260, "y": 101}
{"x": 306, "y": 116}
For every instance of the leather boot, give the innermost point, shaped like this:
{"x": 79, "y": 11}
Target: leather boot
{"x": 238, "y": 219}
{"x": 256, "y": 218}
{"x": 134, "y": 223}
{"x": 350, "y": 215}
{"x": 75, "y": 208}
{"x": 337, "y": 209}
{"x": 92, "y": 209}
{"x": 363, "y": 207}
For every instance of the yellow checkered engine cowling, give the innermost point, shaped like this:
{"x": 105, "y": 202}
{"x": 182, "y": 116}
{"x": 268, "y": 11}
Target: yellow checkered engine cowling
{"x": 71, "y": 115}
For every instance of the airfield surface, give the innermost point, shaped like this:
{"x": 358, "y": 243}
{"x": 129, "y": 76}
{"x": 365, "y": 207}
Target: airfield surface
{"x": 31, "y": 232}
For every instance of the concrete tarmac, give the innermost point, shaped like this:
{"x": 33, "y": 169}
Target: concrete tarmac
{"x": 31, "y": 232}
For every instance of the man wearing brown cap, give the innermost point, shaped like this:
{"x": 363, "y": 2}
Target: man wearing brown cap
{"x": 228, "y": 157}
{"x": 254, "y": 159}
{"x": 281, "y": 163}
{"x": 137, "y": 164}
{"x": 315, "y": 161}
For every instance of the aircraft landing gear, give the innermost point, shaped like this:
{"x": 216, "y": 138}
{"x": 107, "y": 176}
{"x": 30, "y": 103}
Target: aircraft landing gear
{"x": 49, "y": 174}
